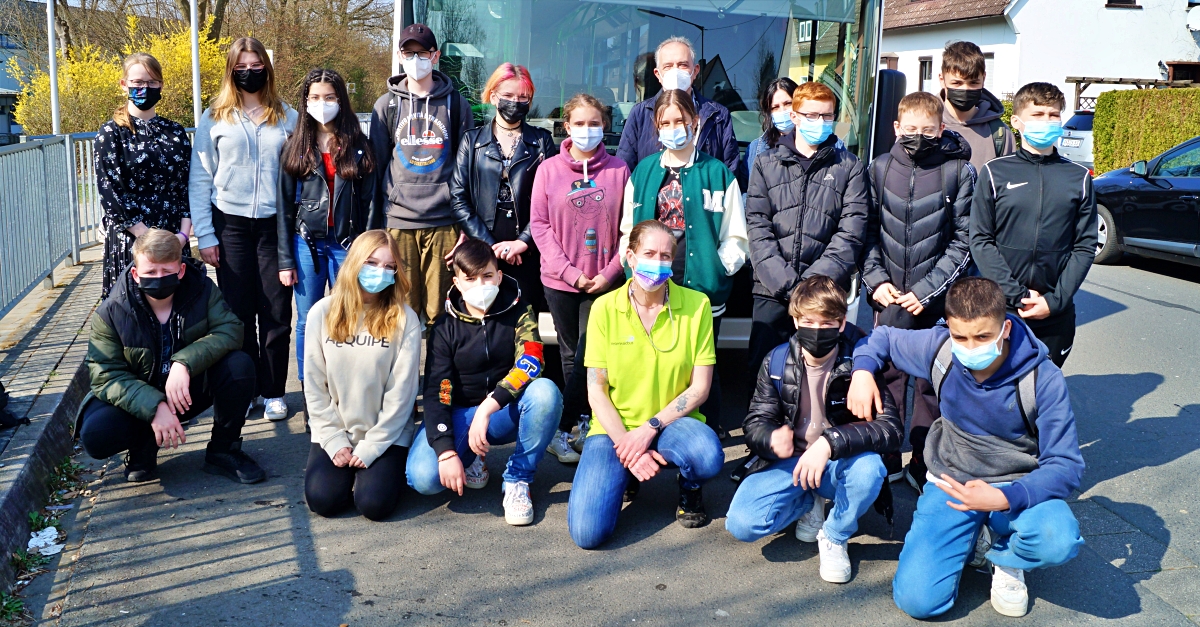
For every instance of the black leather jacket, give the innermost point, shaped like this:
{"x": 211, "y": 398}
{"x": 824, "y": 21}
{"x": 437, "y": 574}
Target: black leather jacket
{"x": 848, "y": 436}
{"x": 477, "y": 173}
{"x": 304, "y": 208}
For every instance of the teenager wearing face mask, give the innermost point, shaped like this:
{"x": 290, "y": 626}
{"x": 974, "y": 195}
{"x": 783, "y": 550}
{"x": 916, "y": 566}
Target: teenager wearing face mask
{"x": 675, "y": 68}
{"x": 1033, "y": 222}
{"x": 575, "y": 219}
{"x": 164, "y": 348}
{"x": 917, "y": 245}
{"x": 141, "y": 165}
{"x": 482, "y": 387}
{"x": 233, "y": 189}
{"x": 650, "y": 359}
{"x": 416, "y": 128}
{"x": 493, "y": 179}
{"x": 775, "y": 111}
{"x": 970, "y": 110}
{"x": 699, "y": 200}
{"x": 326, "y": 195}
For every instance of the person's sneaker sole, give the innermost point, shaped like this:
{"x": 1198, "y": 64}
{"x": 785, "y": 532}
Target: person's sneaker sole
{"x": 518, "y": 521}
{"x": 1007, "y": 608}
{"x": 691, "y": 520}
{"x": 213, "y": 469}
{"x": 141, "y": 476}
{"x": 835, "y": 577}
{"x": 275, "y": 417}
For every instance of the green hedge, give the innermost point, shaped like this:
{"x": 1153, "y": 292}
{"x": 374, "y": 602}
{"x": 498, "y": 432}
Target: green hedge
{"x": 1136, "y": 124}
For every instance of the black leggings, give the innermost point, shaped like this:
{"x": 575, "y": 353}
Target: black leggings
{"x": 374, "y": 491}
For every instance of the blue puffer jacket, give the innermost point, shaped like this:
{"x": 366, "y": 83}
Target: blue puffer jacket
{"x": 639, "y": 138}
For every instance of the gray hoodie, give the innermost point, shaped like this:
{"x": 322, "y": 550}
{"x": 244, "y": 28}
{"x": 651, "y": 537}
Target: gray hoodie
{"x": 420, "y": 155}
{"x": 978, "y": 130}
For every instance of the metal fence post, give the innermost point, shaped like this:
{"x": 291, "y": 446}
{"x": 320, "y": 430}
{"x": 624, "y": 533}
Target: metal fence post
{"x": 72, "y": 198}
{"x": 48, "y": 282}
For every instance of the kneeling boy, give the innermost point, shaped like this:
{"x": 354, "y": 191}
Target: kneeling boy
{"x": 1001, "y": 459}
{"x": 808, "y": 444}
{"x": 482, "y": 387}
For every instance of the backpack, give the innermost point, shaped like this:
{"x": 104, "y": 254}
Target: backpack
{"x": 1026, "y": 387}
{"x": 392, "y": 118}
{"x": 998, "y": 127}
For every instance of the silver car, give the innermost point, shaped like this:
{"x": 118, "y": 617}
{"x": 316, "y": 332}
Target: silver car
{"x": 1076, "y": 141}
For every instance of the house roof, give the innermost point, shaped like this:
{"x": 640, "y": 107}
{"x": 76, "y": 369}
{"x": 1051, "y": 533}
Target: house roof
{"x": 910, "y": 13}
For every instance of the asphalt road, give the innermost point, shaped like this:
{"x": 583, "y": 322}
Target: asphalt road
{"x": 198, "y": 550}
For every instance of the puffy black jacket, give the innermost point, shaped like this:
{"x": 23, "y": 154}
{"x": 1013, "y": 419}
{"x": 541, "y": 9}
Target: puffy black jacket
{"x": 304, "y": 208}
{"x": 1033, "y": 227}
{"x": 848, "y": 436}
{"x": 920, "y": 219}
{"x": 805, "y": 222}
{"x": 477, "y": 173}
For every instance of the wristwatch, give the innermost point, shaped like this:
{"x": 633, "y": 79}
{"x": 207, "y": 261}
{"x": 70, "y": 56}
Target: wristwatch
{"x": 655, "y": 424}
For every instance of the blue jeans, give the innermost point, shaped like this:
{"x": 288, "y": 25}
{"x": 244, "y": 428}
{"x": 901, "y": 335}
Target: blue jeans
{"x": 311, "y": 279}
{"x": 530, "y": 421}
{"x": 599, "y": 484}
{"x": 942, "y": 540}
{"x": 766, "y": 502}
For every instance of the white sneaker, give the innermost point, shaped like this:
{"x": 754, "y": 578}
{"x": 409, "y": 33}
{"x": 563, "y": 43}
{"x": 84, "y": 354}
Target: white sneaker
{"x": 518, "y": 507}
{"x": 275, "y": 409}
{"x": 835, "y": 561}
{"x": 1010, "y": 595}
{"x": 560, "y": 447}
{"x": 811, "y": 523}
{"x": 477, "y": 474}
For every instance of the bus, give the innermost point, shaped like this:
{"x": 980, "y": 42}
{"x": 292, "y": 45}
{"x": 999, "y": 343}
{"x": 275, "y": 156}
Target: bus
{"x": 606, "y": 48}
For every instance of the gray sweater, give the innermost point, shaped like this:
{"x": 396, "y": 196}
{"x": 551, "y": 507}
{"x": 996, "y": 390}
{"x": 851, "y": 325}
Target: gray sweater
{"x": 235, "y": 167}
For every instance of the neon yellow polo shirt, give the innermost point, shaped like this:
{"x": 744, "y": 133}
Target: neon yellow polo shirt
{"x": 643, "y": 379}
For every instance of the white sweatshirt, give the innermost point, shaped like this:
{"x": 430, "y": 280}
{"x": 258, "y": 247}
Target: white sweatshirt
{"x": 361, "y": 394}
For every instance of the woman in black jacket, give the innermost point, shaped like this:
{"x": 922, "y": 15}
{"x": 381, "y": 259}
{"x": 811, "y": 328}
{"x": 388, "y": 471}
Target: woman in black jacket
{"x": 326, "y": 189}
{"x": 493, "y": 178}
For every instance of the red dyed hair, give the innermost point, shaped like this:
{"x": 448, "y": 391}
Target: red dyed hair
{"x": 507, "y": 72}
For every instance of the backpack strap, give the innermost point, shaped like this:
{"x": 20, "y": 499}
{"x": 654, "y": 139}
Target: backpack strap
{"x": 1027, "y": 401}
{"x": 878, "y": 174}
{"x": 940, "y": 366}
{"x": 998, "y": 136}
{"x": 776, "y": 365}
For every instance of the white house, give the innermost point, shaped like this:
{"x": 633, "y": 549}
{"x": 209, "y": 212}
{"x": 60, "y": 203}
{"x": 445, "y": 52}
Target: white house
{"x": 1045, "y": 40}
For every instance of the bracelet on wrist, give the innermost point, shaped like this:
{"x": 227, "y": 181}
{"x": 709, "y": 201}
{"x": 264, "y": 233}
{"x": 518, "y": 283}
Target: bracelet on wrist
{"x": 447, "y": 456}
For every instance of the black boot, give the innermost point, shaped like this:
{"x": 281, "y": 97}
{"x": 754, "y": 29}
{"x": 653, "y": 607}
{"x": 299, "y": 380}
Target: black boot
{"x": 632, "y": 486}
{"x": 691, "y": 512}
{"x": 227, "y": 458}
{"x": 141, "y": 463}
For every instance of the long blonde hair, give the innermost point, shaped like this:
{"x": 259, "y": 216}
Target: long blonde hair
{"x": 229, "y": 98}
{"x": 121, "y": 115}
{"x": 382, "y": 318}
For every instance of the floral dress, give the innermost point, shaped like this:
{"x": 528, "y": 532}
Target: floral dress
{"x": 142, "y": 176}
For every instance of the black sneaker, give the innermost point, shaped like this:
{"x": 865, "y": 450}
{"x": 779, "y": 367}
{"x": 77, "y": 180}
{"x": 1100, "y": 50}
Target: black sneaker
{"x": 691, "y": 514}
{"x": 142, "y": 465}
{"x": 916, "y": 477}
{"x": 632, "y": 486}
{"x": 229, "y": 460}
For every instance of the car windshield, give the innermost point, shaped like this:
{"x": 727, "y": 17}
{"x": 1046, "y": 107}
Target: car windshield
{"x": 1081, "y": 121}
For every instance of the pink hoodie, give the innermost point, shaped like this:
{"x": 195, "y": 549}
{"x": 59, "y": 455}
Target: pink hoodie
{"x": 576, "y": 221}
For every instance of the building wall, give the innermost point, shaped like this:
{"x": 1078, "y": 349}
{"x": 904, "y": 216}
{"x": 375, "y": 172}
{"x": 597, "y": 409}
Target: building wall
{"x": 992, "y": 35}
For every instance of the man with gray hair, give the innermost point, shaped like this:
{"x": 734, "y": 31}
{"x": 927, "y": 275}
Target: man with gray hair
{"x": 676, "y": 68}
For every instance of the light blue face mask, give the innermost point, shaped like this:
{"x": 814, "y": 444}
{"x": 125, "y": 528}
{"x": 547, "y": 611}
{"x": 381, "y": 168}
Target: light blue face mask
{"x": 375, "y": 279}
{"x": 1041, "y": 134}
{"x": 783, "y": 121}
{"x": 651, "y": 273}
{"x": 976, "y": 358}
{"x": 813, "y": 132}
{"x": 675, "y": 138}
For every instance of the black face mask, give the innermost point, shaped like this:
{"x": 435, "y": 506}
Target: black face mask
{"x": 917, "y": 146}
{"x": 964, "y": 99}
{"x": 159, "y": 287}
{"x": 512, "y": 111}
{"x": 818, "y": 342}
{"x": 144, "y": 98}
{"x": 250, "y": 81}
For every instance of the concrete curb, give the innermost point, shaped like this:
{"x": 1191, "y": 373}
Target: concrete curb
{"x": 30, "y": 459}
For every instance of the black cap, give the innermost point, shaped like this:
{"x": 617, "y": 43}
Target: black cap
{"x": 419, "y": 33}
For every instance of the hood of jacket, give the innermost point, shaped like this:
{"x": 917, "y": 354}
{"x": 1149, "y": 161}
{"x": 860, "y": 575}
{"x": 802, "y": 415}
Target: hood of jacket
{"x": 1025, "y": 352}
{"x": 442, "y": 85}
{"x": 508, "y": 298}
{"x": 597, "y": 161}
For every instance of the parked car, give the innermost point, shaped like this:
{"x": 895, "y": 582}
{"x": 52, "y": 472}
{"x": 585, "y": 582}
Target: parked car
{"x": 1076, "y": 141}
{"x": 1152, "y": 208}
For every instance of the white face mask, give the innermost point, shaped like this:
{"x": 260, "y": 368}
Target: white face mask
{"x": 417, "y": 68}
{"x": 586, "y": 138}
{"x": 322, "y": 111}
{"x": 481, "y": 296}
{"x": 677, "y": 79}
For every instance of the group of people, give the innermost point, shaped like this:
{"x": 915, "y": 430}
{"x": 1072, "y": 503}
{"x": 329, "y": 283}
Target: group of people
{"x": 432, "y": 230}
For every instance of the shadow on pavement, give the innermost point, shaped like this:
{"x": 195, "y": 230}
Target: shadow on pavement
{"x": 1090, "y": 307}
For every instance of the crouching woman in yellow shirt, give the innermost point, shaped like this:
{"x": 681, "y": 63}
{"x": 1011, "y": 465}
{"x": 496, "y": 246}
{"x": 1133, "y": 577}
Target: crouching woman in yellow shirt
{"x": 649, "y": 358}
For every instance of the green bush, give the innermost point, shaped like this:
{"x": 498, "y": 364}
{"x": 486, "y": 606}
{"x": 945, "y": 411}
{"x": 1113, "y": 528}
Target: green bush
{"x": 1135, "y": 124}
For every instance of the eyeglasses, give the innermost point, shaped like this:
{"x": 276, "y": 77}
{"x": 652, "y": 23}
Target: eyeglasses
{"x": 813, "y": 117}
{"x": 423, "y": 55}
{"x": 141, "y": 84}
{"x": 254, "y": 67}
{"x": 331, "y": 98}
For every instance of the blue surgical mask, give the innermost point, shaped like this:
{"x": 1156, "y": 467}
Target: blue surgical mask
{"x": 374, "y": 279}
{"x": 783, "y": 121}
{"x": 814, "y": 132}
{"x": 675, "y": 138}
{"x": 976, "y": 358}
{"x": 651, "y": 273}
{"x": 1041, "y": 134}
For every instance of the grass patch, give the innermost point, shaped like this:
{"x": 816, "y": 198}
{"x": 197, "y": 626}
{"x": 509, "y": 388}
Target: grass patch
{"x": 12, "y": 608}
{"x": 27, "y": 564}
{"x": 39, "y": 521}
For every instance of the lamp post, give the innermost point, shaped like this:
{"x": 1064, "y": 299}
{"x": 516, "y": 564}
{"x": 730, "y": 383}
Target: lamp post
{"x": 197, "y": 108}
